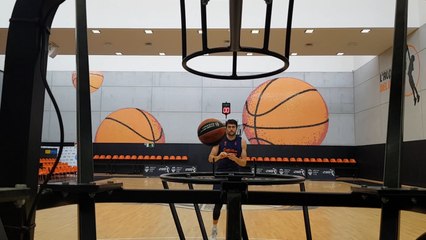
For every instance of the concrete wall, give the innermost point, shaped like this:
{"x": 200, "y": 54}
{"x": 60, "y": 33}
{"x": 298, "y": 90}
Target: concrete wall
{"x": 372, "y": 102}
{"x": 180, "y": 101}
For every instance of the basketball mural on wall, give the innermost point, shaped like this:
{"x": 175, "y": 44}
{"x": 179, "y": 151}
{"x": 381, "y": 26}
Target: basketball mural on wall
{"x": 285, "y": 111}
{"x": 130, "y": 125}
{"x": 95, "y": 80}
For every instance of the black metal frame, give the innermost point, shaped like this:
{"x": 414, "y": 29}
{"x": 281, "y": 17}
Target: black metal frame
{"x": 235, "y": 7}
{"x": 234, "y": 189}
{"x": 21, "y": 123}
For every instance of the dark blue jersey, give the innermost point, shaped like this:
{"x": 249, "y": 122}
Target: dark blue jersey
{"x": 230, "y": 147}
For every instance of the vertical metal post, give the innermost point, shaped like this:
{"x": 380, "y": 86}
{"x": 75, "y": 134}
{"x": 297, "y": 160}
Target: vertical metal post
{"x": 84, "y": 121}
{"x": 234, "y": 190}
{"x": 389, "y": 228}
{"x": 175, "y": 215}
{"x": 306, "y": 215}
{"x": 235, "y": 15}
{"x": 86, "y": 204}
{"x": 233, "y": 219}
{"x": 86, "y": 217}
{"x": 199, "y": 217}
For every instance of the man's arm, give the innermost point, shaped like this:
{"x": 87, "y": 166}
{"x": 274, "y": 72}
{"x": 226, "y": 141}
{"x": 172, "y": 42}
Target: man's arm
{"x": 213, "y": 156}
{"x": 242, "y": 160}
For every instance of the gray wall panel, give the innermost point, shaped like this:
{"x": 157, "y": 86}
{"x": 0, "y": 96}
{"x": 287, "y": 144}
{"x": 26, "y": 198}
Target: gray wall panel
{"x": 187, "y": 99}
{"x": 168, "y": 79}
{"x": 367, "y": 95}
{"x": 114, "y": 98}
{"x": 340, "y": 130}
{"x": 209, "y": 82}
{"x": 330, "y": 79}
{"x": 46, "y": 126}
{"x": 413, "y": 126}
{"x": 176, "y": 99}
{"x": 131, "y": 79}
{"x": 214, "y": 97}
{"x": 179, "y": 127}
{"x": 366, "y": 72}
{"x": 70, "y": 126}
{"x": 369, "y": 127}
{"x": 65, "y": 97}
{"x": 62, "y": 78}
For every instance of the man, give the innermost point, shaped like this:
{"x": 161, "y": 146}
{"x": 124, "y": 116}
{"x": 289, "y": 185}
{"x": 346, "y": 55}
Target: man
{"x": 229, "y": 156}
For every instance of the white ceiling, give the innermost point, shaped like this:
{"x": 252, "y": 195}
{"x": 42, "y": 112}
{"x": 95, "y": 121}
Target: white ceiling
{"x": 337, "y": 25}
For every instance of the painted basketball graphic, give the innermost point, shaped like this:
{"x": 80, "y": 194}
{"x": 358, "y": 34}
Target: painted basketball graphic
{"x": 130, "y": 125}
{"x": 95, "y": 80}
{"x": 285, "y": 111}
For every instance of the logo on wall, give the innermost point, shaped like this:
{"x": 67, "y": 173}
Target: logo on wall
{"x": 285, "y": 111}
{"x": 130, "y": 125}
{"x": 412, "y": 75}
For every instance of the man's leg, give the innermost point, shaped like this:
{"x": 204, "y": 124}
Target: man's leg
{"x": 216, "y": 215}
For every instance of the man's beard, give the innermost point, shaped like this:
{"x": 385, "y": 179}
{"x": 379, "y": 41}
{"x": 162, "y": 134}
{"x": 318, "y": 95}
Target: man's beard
{"x": 231, "y": 133}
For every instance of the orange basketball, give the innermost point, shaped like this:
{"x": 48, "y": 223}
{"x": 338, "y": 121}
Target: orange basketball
{"x": 130, "y": 125}
{"x": 211, "y": 131}
{"x": 95, "y": 80}
{"x": 285, "y": 111}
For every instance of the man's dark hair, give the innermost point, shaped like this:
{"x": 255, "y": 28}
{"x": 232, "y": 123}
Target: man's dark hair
{"x": 232, "y": 122}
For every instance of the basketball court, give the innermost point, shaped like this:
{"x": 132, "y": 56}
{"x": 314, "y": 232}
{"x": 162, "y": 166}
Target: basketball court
{"x": 141, "y": 118}
{"x": 135, "y": 221}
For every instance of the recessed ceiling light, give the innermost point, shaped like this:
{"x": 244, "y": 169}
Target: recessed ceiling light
{"x": 249, "y": 54}
{"x": 148, "y": 31}
{"x": 294, "y": 54}
{"x": 96, "y": 31}
{"x": 255, "y": 31}
{"x": 309, "y": 30}
{"x": 118, "y": 53}
{"x": 162, "y": 54}
{"x": 366, "y": 30}
{"x": 340, "y": 54}
{"x": 200, "y": 31}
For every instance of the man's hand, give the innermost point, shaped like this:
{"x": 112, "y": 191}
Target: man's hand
{"x": 222, "y": 155}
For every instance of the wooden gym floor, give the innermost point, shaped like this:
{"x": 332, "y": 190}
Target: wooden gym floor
{"x": 134, "y": 221}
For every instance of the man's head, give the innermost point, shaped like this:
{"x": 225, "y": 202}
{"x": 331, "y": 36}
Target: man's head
{"x": 231, "y": 127}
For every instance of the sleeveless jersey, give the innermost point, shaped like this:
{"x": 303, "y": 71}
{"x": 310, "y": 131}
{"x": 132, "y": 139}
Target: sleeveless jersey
{"x": 233, "y": 147}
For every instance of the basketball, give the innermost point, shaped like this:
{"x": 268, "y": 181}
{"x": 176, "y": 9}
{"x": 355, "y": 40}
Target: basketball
{"x": 130, "y": 125}
{"x": 95, "y": 80}
{"x": 211, "y": 131}
{"x": 285, "y": 111}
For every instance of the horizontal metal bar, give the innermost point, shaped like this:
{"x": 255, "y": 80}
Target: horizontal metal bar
{"x": 416, "y": 201}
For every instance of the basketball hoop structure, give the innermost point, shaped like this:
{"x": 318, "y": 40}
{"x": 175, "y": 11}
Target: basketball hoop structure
{"x": 234, "y": 190}
{"x": 244, "y": 177}
{"x": 235, "y": 48}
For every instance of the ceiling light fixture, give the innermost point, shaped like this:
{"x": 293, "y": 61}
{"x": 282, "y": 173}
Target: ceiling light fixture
{"x": 148, "y": 31}
{"x": 234, "y": 48}
{"x": 255, "y": 31}
{"x": 340, "y": 54}
{"x": 294, "y": 54}
{"x": 200, "y": 31}
{"x": 309, "y": 31}
{"x": 366, "y": 30}
{"x": 162, "y": 54}
{"x": 96, "y": 31}
{"x": 249, "y": 54}
{"x": 118, "y": 53}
